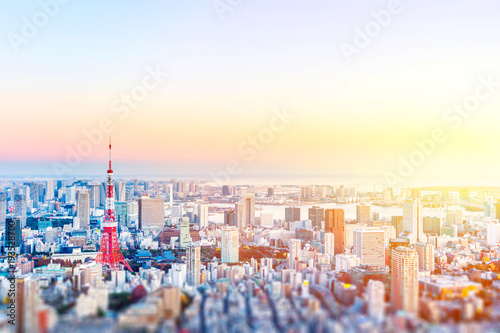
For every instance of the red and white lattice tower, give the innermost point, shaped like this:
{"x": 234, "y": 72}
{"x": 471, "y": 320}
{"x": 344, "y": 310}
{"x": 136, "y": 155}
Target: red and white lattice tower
{"x": 109, "y": 252}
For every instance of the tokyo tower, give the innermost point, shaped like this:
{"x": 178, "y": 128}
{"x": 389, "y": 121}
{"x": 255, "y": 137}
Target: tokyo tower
{"x": 109, "y": 252}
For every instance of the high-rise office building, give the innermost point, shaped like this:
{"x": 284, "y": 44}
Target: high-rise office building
{"x": 349, "y": 234}
{"x": 270, "y": 192}
{"x": 120, "y": 191}
{"x": 151, "y": 213}
{"x": 404, "y": 284}
{"x": 425, "y": 254}
{"x": 334, "y": 223}
{"x": 27, "y": 304}
{"x": 316, "y": 215}
{"x": 245, "y": 211}
{"x": 102, "y": 194}
{"x": 397, "y": 222}
{"x": 83, "y": 208}
{"x": 132, "y": 214}
{"x": 363, "y": 213}
{"x": 3, "y": 208}
{"x": 49, "y": 190}
{"x": 35, "y": 193}
{"x": 230, "y": 245}
{"x": 20, "y": 208}
{"x": 203, "y": 215}
{"x": 95, "y": 195}
{"x": 389, "y": 233}
{"x": 329, "y": 249}
{"x": 413, "y": 223}
{"x": 369, "y": 246}
{"x": 70, "y": 194}
{"x": 295, "y": 248}
{"x": 12, "y": 227}
{"x": 177, "y": 213}
{"x": 121, "y": 212}
{"x": 393, "y": 244}
{"x": 432, "y": 225}
{"x": 292, "y": 214}
{"x": 375, "y": 293}
{"x": 136, "y": 186}
{"x": 227, "y": 190}
{"x": 172, "y": 301}
{"x": 193, "y": 265}
{"x": 230, "y": 218}
{"x": 184, "y": 236}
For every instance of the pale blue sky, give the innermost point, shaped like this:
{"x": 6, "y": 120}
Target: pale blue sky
{"x": 227, "y": 75}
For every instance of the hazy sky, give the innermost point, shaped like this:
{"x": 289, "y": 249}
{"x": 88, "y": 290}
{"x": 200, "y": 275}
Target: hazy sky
{"x": 226, "y": 77}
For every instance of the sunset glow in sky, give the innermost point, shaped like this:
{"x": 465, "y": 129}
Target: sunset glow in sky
{"x": 227, "y": 77}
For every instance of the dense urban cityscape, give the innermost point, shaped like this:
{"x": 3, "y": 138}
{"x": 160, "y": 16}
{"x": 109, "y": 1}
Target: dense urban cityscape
{"x": 232, "y": 166}
{"x": 183, "y": 255}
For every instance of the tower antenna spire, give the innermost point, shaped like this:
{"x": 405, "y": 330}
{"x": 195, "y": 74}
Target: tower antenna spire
{"x": 110, "y": 153}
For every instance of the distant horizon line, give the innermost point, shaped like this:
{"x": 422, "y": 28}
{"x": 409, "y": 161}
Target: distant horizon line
{"x": 247, "y": 180}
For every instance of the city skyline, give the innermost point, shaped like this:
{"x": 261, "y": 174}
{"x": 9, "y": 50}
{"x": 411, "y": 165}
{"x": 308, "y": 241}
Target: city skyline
{"x": 278, "y": 166}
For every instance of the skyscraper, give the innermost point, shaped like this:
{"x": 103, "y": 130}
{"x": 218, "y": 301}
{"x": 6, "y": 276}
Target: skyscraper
{"x": 151, "y": 213}
{"x": 136, "y": 186}
{"x": 120, "y": 191}
{"x": 375, "y": 293}
{"x": 425, "y": 254}
{"x": 13, "y": 227}
{"x": 393, "y": 244}
{"x": 316, "y": 215}
{"x": 28, "y": 302}
{"x": 83, "y": 208}
{"x": 334, "y": 223}
{"x": 230, "y": 218}
{"x": 203, "y": 215}
{"x": 363, "y": 213}
{"x": 230, "y": 245}
{"x": 397, "y": 222}
{"x": 184, "y": 232}
{"x": 121, "y": 210}
{"x": 193, "y": 265}
{"x": 20, "y": 208}
{"x": 295, "y": 247}
{"x": 95, "y": 195}
{"x": 369, "y": 246}
{"x": 3, "y": 208}
{"x": 245, "y": 212}
{"x": 432, "y": 225}
{"x": 413, "y": 224}
{"x": 49, "y": 190}
{"x": 404, "y": 282}
{"x": 329, "y": 245}
{"x": 292, "y": 214}
{"x": 70, "y": 194}
{"x": 226, "y": 190}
